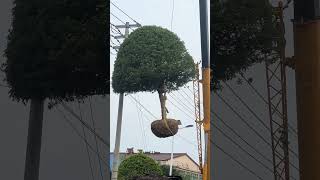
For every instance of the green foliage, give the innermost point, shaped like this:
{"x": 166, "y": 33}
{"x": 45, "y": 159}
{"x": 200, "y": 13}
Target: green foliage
{"x": 176, "y": 172}
{"x": 244, "y": 33}
{"x": 57, "y": 49}
{"x": 166, "y": 170}
{"x": 152, "y": 58}
{"x": 138, "y": 165}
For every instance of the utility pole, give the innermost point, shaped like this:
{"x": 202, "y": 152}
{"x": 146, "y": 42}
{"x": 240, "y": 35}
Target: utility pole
{"x": 116, "y": 155}
{"x": 203, "y": 7}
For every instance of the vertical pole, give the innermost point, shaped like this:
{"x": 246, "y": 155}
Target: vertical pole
{"x": 171, "y": 160}
{"x": 203, "y": 7}
{"x": 33, "y": 152}
{"x": 119, "y": 125}
{"x": 118, "y": 137}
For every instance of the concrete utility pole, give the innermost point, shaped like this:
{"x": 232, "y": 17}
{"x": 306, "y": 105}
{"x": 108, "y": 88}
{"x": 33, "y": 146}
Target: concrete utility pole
{"x": 307, "y": 67}
{"x": 116, "y": 155}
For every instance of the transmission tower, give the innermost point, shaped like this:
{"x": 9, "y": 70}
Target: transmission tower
{"x": 277, "y": 101}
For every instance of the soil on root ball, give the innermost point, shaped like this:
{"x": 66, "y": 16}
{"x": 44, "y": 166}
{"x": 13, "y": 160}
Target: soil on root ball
{"x": 162, "y": 129}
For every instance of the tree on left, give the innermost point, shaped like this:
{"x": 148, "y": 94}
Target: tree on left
{"x": 56, "y": 51}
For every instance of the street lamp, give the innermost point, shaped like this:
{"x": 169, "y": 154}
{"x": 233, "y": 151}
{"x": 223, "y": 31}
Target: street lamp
{"x": 171, "y": 160}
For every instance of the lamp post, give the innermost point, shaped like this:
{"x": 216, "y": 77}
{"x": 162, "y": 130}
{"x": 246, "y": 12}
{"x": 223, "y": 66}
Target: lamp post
{"x": 172, "y": 142}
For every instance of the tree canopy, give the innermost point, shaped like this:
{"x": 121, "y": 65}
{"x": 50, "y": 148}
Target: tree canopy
{"x": 244, "y": 33}
{"x": 149, "y": 59}
{"x": 138, "y": 165}
{"x": 57, "y": 49}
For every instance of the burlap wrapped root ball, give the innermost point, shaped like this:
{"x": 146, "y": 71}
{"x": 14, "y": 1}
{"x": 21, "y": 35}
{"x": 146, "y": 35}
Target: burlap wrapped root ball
{"x": 161, "y": 130}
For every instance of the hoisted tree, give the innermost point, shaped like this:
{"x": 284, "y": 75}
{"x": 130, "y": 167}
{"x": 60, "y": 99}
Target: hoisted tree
{"x": 56, "y": 50}
{"x": 153, "y": 59}
{"x": 244, "y": 33}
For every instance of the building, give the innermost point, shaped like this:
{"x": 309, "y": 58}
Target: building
{"x": 182, "y": 162}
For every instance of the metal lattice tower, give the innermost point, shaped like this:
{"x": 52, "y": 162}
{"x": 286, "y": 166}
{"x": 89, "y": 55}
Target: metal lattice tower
{"x": 196, "y": 91}
{"x": 277, "y": 101}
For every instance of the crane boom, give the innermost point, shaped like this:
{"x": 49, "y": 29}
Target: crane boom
{"x": 197, "y": 111}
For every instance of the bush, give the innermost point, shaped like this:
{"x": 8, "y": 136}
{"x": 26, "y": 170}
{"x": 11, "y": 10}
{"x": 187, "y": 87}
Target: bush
{"x": 137, "y": 166}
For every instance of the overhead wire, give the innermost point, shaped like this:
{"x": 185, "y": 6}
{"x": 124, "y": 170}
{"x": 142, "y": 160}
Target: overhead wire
{"x": 230, "y": 128}
{"x": 245, "y": 141}
{"x": 242, "y": 119}
{"x": 117, "y": 18}
{"x": 69, "y": 122}
{"x": 123, "y": 12}
{"x": 86, "y": 125}
{"x": 247, "y": 106}
{"x": 265, "y": 101}
{"x": 237, "y": 161}
{"x": 239, "y": 146}
{"x": 95, "y": 138}
{"x": 195, "y": 146}
{"x": 87, "y": 148}
{"x": 172, "y": 13}
{"x": 139, "y": 112}
{"x": 250, "y": 109}
{"x": 247, "y": 124}
{"x": 150, "y": 113}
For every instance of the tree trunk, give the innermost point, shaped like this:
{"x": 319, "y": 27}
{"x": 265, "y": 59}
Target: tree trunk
{"x": 163, "y": 98}
{"x": 32, "y": 162}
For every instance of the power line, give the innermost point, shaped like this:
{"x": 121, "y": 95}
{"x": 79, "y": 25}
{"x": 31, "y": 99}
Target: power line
{"x": 95, "y": 138}
{"x": 235, "y": 160}
{"x": 265, "y": 101}
{"x": 246, "y": 142}
{"x": 124, "y": 12}
{"x": 189, "y": 115}
{"x": 195, "y": 146}
{"x": 243, "y": 120}
{"x": 172, "y": 13}
{"x": 248, "y": 125}
{"x": 141, "y": 124}
{"x": 142, "y": 106}
{"x": 117, "y": 18}
{"x": 223, "y": 133}
{"x": 241, "y": 148}
{"x": 87, "y": 148}
{"x": 85, "y": 124}
{"x": 69, "y": 122}
{"x": 247, "y": 106}
{"x": 239, "y": 136}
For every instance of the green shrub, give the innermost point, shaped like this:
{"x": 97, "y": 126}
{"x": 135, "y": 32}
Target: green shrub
{"x": 138, "y": 165}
